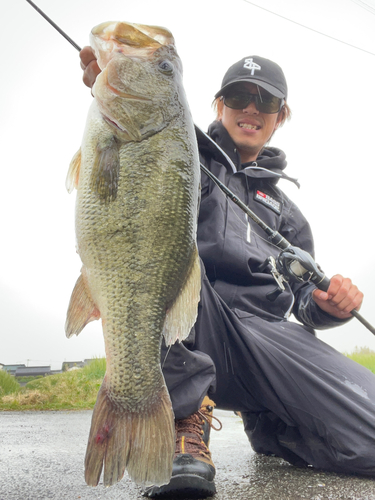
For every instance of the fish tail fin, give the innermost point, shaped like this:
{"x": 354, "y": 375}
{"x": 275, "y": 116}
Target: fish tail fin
{"x": 142, "y": 442}
{"x": 180, "y": 318}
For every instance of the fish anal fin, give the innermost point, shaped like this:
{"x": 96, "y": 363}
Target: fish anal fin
{"x": 73, "y": 172}
{"x": 182, "y": 315}
{"x": 142, "y": 442}
{"x": 105, "y": 171}
{"x": 81, "y": 309}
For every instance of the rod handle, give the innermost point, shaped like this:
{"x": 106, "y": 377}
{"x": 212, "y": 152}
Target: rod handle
{"x": 324, "y": 285}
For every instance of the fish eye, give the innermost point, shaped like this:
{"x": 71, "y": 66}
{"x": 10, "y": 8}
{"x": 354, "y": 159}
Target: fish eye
{"x": 166, "y": 67}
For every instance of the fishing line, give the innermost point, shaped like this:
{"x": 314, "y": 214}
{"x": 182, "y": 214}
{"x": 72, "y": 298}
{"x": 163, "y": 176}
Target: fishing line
{"x": 246, "y": 222}
{"x": 54, "y": 25}
{"x": 365, "y": 6}
{"x": 308, "y": 28}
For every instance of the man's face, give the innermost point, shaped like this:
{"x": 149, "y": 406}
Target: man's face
{"x": 249, "y": 128}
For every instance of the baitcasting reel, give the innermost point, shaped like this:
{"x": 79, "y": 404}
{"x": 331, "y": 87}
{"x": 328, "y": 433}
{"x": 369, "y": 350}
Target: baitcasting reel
{"x": 294, "y": 265}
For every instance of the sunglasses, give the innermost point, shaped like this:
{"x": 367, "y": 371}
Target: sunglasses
{"x": 237, "y": 99}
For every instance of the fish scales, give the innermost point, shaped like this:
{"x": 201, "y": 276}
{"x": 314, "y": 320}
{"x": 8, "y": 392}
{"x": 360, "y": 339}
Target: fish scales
{"x": 137, "y": 176}
{"x": 139, "y": 190}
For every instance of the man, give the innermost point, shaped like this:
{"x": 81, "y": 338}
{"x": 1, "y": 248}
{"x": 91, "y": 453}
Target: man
{"x": 299, "y": 398}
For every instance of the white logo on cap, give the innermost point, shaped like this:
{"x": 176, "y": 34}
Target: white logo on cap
{"x": 250, "y": 64}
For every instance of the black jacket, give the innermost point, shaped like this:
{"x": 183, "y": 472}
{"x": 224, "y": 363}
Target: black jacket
{"x": 232, "y": 248}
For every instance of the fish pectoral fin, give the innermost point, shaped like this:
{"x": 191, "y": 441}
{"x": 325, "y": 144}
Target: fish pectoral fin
{"x": 182, "y": 315}
{"x": 81, "y": 309}
{"x": 106, "y": 168}
{"x": 73, "y": 172}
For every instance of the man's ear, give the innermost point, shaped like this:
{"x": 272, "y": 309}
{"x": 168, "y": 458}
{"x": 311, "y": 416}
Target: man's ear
{"x": 220, "y": 106}
{"x": 280, "y": 118}
{"x": 278, "y": 123}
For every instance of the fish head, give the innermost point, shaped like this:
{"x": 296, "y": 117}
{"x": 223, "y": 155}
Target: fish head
{"x": 139, "y": 90}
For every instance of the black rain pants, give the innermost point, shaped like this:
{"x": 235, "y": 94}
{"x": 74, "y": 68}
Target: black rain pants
{"x": 300, "y": 399}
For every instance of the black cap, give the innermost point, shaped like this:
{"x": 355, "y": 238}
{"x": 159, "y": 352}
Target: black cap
{"x": 255, "y": 69}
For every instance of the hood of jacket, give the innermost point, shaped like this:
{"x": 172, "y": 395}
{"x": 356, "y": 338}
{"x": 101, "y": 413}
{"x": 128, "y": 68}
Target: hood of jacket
{"x": 270, "y": 164}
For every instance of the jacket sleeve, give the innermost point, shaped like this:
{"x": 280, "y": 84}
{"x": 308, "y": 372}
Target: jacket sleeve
{"x": 308, "y": 312}
{"x": 297, "y": 231}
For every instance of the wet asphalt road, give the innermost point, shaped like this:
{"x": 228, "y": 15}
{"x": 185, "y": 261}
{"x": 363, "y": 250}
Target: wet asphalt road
{"x": 42, "y": 453}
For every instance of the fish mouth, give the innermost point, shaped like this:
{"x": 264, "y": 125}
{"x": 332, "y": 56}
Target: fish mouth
{"x": 115, "y": 92}
{"x": 127, "y": 38}
{"x": 133, "y": 34}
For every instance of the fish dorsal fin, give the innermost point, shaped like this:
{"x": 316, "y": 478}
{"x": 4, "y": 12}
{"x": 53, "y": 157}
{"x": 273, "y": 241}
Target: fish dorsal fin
{"x": 182, "y": 315}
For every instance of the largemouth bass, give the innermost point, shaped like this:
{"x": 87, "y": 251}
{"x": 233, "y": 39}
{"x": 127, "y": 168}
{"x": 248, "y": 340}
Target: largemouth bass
{"x": 137, "y": 178}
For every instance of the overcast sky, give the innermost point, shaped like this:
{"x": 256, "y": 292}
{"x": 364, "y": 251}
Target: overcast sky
{"x": 43, "y": 105}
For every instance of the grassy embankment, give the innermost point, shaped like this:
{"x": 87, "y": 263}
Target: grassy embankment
{"x": 77, "y": 389}
{"x": 73, "y": 390}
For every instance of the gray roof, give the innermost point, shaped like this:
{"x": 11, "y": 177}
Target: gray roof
{"x": 12, "y": 367}
{"x": 33, "y": 371}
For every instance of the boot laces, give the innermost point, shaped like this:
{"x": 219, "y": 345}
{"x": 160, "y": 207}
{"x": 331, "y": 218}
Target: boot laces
{"x": 206, "y": 413}
{"x": 189, "y": 432}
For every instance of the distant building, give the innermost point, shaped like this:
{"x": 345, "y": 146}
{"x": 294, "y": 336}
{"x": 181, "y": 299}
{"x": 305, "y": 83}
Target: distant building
{"x": 12, "y": 368}
{"x": 88, "y": 360}
{"x": 33, "y": 371}
{"x": 69, "y": 365}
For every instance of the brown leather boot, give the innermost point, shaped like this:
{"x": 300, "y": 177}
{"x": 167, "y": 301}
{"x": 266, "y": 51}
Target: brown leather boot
{"x": 193, "y": 470}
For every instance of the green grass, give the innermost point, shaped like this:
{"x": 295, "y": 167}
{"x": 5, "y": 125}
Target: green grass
{"x": 25, "y": 380}
{"x": 364, "y": 356}
{"x": 71, "y": 390}
{"x": 8, "y": 384}
{"x": 77, "y": 389}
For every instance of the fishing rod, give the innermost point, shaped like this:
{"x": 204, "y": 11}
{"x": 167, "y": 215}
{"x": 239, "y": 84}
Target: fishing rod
{"x": 55, "y": 25}
{"x": 292, "y": 264}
